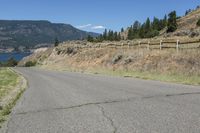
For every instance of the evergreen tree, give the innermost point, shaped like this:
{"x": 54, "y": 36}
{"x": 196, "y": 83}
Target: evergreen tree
{"x": 90, "y": 38}
{"x": 56, "y": 43}
{"x": 156, "y": 24}
{"x": 164, "y": 22}
{"x": 147, "y": 25}
{"x": 198, "y": 22}
{"x": 186, "y": 12}
{"x": 99, "y": 38}
{"x": 130, "y": 33}
{"x": 116, "y": 36}
{"x": 122, "y": 29}
{"x": 11, "y": 62}
{"x": 135, "y": 30}
{"x": 110, "y": 35}
{"x": 119, "y": 37}
{"x": 105, "y": 34}
{"x": 142, "y": 31}
{"x": 172, "y": 24}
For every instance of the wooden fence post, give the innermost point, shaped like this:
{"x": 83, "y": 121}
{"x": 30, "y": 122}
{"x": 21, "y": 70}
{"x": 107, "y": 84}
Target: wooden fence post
{"x": 177, "y": 45}
{"x": 160, "y": 44}
{"x": 148, "y": 46}
{"x": 139, "y": 43}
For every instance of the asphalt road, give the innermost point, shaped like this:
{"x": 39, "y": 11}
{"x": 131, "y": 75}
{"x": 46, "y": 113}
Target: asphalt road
{"x": 64, "y": 102}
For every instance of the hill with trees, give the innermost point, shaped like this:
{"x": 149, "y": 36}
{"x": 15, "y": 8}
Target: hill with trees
{"x": 28, "y": 34}
{"x": 170, "y": 25}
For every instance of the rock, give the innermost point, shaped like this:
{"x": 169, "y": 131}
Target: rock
{"x": 117, "y": 58}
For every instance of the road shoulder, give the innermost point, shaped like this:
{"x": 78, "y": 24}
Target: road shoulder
{"x": 10, "y": 100}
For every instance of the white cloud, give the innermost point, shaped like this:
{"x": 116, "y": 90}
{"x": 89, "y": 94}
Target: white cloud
{"x": 90, "y": 26}
{"x": 98, "y": 27}
{"x": 84, "y": 26}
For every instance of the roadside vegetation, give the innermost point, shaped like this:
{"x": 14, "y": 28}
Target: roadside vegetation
{"x": 10, "y": 63}
{"x": 9, "y": 93}
{"x": 163, "y": 65}
{"x": 30, "y": 63}
{"x": 198, "y": 22}
{"x": 8, "y": 80}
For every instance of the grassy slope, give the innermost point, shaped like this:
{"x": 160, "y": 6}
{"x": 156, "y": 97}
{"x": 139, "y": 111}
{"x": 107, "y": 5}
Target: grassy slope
{"x": 8, "y": 82}
{"x": 175, "y": 78}
{"x": 166, "y": 65}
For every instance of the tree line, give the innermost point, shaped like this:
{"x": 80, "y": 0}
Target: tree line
{"x": 148, "y": 29}
{"x": 108, "y": 35}
{"x": 190, "y": 10}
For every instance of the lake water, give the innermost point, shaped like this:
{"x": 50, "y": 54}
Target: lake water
{"x": 17, "y": 56}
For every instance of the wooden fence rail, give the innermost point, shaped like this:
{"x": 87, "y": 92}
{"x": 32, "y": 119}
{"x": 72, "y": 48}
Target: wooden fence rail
{"x": 159, "y": 44}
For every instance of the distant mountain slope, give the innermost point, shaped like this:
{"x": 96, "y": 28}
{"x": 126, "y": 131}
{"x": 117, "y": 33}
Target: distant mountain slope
{"x": 14, "y": 33}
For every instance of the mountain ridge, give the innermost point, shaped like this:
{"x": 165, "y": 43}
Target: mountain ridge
{"x": 30, "y": 33}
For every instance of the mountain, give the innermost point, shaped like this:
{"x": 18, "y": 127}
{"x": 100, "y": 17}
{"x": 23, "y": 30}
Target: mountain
{"x": 27, "y": 33}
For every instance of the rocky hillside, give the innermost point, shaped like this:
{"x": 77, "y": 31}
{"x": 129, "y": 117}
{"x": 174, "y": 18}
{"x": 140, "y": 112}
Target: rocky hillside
{"x": 74, "y": 56}
{"x": 187, "y": 25}
{"x": 32, "y": 33}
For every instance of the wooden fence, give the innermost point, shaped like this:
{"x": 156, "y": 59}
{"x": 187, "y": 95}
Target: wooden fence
{"x": 161, "y": 44}
{"x": 148, "y": 44}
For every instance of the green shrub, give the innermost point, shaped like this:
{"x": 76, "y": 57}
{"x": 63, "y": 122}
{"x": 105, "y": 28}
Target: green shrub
{"x": 117, "y": 58}
{"x": 198, "y": 22}
{"x": 30, "y": 63}
{"x": 9, "y": 63}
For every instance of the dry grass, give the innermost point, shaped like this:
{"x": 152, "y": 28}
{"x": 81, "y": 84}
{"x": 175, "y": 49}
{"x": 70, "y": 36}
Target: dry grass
{"x": 167, "y": 64}
{"x": 8, "y": 80}
{"x": 11, "y": 88}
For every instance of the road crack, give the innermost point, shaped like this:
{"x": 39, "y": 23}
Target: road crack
{"x": 67, "y": 108}
{"x": 106, "y": 102}
{"x": 182, "y": 94}
{"x": 108, "y": 118}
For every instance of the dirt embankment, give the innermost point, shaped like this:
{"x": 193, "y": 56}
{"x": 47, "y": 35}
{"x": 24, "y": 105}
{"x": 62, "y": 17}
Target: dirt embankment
{"x": 70, "y": 57}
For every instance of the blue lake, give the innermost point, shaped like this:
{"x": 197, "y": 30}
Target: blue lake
{"x": 17, "y": 56}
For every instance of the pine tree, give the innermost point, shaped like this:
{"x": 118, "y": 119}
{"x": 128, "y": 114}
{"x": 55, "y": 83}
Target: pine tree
{"x": 105, "y": 35}
{"x": 147, "y": 25}
{"x": 11, "y": 62}
{"x": 122, "y": 29}
{"x": 164, "y": 22}
{"x": 130, "y": 33}
{"x": 90, "y": 38}
{"x": 198, "y": 22}
{"x": 156, "y": 24}
{"x": 116, "y": 36}
{"x": 112, "y": 35}
{"x": 172, "y": 24}
{"x": 56, "y": 43}
{"x": 142, "y": 31}
{"x": 135, "y": 30}
{"x": 119, "y": 37}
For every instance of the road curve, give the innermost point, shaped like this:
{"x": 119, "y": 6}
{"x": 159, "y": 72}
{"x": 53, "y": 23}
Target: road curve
{"x": 64, "y": 102}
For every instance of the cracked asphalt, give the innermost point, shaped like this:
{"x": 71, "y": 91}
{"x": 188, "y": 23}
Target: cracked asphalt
{"x": 64, "y": 102}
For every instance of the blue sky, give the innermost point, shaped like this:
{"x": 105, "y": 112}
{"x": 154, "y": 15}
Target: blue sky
{"x": 92, "y": 15}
